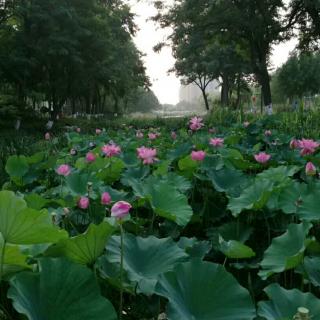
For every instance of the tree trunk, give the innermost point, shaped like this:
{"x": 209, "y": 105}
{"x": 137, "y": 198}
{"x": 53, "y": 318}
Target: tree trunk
{"x": 265, "y": 84}
{"x": 225, "y": 90}
{"x": 238, "y": 91}
{"x": 205, "y": 98}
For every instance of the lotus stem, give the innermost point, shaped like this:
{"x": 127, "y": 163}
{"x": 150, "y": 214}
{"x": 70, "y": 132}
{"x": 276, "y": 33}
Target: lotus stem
{"x": 121, "y": 272}
{"x": 3, "y": 250}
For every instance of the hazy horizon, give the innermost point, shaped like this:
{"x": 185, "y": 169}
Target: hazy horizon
{"x": 165, "y": 86}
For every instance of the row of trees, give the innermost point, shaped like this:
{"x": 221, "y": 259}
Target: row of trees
{"x": 232, "y": 40}
{"x": 75, "y": 52}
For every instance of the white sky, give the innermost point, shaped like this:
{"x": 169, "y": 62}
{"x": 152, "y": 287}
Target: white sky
{"x": 165, "y": 86}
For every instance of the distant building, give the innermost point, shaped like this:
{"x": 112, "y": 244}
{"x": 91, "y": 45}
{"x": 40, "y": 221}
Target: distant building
{"x": 191, "y": 93}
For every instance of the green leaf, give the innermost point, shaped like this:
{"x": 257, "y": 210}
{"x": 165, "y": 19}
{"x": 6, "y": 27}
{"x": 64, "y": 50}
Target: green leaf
{"x": 202, "y": 290}
{"x": 84, "y": 248}
{"x": 78, "y": 183}
{"x": 309, "y": 208}
{"x": 312, "y": 268}
{"x": 236, "y": 250}
{"x": 17, "y": 166}
{"x": 252, "y": 198}
{"x": 283, "y": 304}
{"x": 169, "y": 203}
{"x": 21, "y": 225}
{"x": 145, "y": 258}
{"x": 228, "y": 180}
{"x": 285, "y": 251}
{"x": 60, "y": 290}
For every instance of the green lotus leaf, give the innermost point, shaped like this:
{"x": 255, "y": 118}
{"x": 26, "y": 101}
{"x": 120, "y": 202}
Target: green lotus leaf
{"x": 204, "y": 291}
{"x": 21, "y": 225}
{"x": 194, "y": 247}
{"x": 187, "y": 165}
{"x": 309, "y": 208}
{"x": 145, "y": 258}
{"x": 235, "y": 250}
{"x": 285, "y": 251}
{"x": 169, "y": 203}
{"x": 14, "y": 260}
{"x": 84, "y": 248}
{"x": 284, "y": 304}
{"x": 60, "y": 290}
{"x": 312, "y": 268}
{"x": 78, "y": 183}
{"x": 252, "y": 198}
{"x": 228, "y": 180}
{"x": 17, "y": 166}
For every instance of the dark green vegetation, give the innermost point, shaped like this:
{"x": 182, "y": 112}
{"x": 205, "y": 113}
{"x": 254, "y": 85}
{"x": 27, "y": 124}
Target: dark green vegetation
{"x": 70, "y": 56}
{"x": 232, "y": 40}
{"x": 225, "y": 238}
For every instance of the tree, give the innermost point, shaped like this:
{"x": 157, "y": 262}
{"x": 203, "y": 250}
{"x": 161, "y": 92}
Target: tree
{"x": 202, "y": 55}
{"x": 75, "y": 51}
{"x": 299, "y": 76}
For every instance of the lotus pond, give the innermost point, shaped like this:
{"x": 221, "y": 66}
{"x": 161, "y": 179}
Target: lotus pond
{"x": 195, "y": 224}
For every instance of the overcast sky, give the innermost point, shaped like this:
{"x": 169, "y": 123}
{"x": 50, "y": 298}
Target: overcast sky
{"x": 165, "y": 86}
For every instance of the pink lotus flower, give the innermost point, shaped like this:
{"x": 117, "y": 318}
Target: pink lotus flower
{"x": 268, "y": 133}
{"x": 105, "y": 198}
{"x": 148, "y": 155}
{"x": 217, "y": 142}
{"x": 196, "y": 123}
{"x": 120, "y": 209}
{"x": 294, "y": 144}
{"x": 63, "y": 170}
{"x": 152, "y": 136}
{"x": 198, "y": 155}
{"x": 83, "y": 203}
{"x": 78, "y": 130}
{"x": 311, "y": 170}
{"x": 47, "y": 136}
{"x": 307, "y": 146}
{"x": 262, "y": 157}
{"x": 246, "y": 124}
{"x": 90, "y": 157}
{"x": 139, "y": 134}
{"x": 111, "y": 150}
{"x": 173, "y": 135}
{"x": 98, "y": 131}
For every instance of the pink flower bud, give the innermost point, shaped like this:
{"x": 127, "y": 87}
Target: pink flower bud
{"x": 120, "y": 209}
{"x": 47, "y": 136}
{"x": 105, "y": 198}
{"x": 311, "y": 170}
{"x": 83, "y": 203}
{"x": 90, "y": 157}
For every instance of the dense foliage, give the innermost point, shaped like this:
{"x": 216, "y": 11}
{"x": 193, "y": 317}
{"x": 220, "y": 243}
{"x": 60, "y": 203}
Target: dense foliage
{"x": 231, "y": 40}
{"x": 73, "y": 54}
{"x": 223, "y": 224}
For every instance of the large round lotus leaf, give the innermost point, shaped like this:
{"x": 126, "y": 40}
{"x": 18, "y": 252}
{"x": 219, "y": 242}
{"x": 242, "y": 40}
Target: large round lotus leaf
{"x": 21, "y": 225}
{"x": 17, "y": 166}
{"x": 252, "y": 198}
{"x": 145, "y": 258}
{"x": 60, "y": 290}
{"x": 283, "y": 304}
{"x": 84, "y": 248}
{"x": 199, "y": 290}
{"x": 228, "y": 180}
{"x": 309, "y": 209}
{"x": 285, "y": 251}
{"x": 312, "y": 268}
